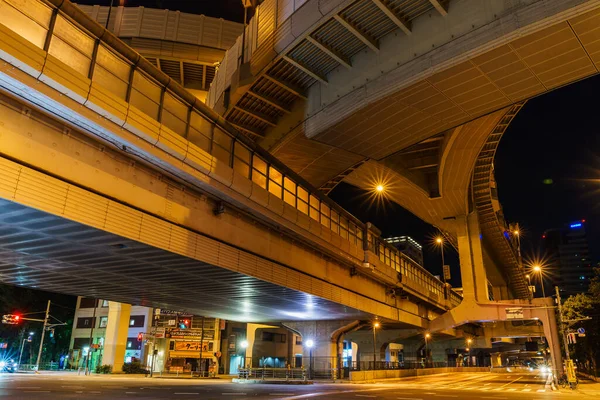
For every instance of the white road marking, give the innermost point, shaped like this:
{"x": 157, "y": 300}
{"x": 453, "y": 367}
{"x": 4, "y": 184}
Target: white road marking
{"x": 526, "y": 390}
{"x": 541, "y": 390}
{"x": 512, "y": 390}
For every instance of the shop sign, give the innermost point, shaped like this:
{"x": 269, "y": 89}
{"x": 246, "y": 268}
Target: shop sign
{"x": 190, "y": 346}
{"x": 190, "y": 334}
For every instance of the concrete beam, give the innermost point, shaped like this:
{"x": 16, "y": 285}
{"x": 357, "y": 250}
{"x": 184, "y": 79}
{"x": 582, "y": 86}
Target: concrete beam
{"x": 269, "y": 101}
{"x": 287, "y": 86}
{"x": 259, "y": 116}
{"x": 359, "y": 35}
{"x": 330, "y": 52}
{"x": 248, "y": 129}
{"x": 404, "y": 26}
{"x": 443, "y": 10}
{"x": 306, "y": 70}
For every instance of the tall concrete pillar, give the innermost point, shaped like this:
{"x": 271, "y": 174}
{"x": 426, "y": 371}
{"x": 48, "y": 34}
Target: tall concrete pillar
{"x": 250, "y": 338}
{"x": 327, "y": 342}
{"x": 548, "y": 318}
{"x": 115, "y": 339}
{"x": 470, "y": 253}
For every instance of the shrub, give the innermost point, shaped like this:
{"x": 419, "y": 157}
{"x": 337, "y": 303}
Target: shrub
{"x": 104, "y": 369}
{"x": 134, "y": 368}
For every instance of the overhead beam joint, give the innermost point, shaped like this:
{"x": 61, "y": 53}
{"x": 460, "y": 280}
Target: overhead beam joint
{"x": 440, "y": 7}
{"x": 306, "y": 70}
{"x": 404, "y": 26}
{"x": 359, "y": 35}
{"x": 340, "y": 59}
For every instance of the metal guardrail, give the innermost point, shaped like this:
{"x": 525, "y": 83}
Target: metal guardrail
{"x": 108, "y": 73}
{"x": 273, "y": 373}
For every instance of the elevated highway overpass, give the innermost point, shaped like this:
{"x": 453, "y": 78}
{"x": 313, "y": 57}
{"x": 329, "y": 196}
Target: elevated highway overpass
{"x": 119, "y": 183}
{"x": 413, "y": 94}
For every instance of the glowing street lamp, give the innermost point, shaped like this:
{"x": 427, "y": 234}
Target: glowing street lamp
{"x": 440, "y": 242}
{"x": 379, "y": 188}
{"x": 376, "y": 325}
{"x": 310, "y": 344}
{"x": 427, "y": 337}
{"x": 538, "y": 270}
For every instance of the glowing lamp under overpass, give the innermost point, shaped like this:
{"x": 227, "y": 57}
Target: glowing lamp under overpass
{"x": 310, "y": 343}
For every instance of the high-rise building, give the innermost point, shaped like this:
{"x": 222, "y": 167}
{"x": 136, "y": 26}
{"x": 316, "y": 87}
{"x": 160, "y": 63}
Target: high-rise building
{"x": 569, "y": 265}
{"x": 408, "y": 246}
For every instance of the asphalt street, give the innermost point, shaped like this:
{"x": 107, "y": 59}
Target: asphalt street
{"x": 480, "y": 386}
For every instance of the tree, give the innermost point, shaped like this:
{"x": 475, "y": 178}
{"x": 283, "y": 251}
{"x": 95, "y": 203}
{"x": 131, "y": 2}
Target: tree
{"x": 586, "y": 352}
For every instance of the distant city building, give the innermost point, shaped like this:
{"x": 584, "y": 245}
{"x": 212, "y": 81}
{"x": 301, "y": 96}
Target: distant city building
{"x": 408, "y": 246}
{"x": 569, "y": 264}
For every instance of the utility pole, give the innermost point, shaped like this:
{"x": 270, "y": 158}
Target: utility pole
{"x": 39, "y": 357}
{"x": 560, "y": 319}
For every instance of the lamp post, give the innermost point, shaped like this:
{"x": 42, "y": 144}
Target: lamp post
{"x": 22, "y": 346}
{"x": 244, "y": 345}
{"x": 440, "y": 242}
{"x": 427, "y": 337}
{"x": 538, "y": 269}
{"x": 375, "y": 326}
{"x": 310, "y": 344}
{"x": 469, "y": 341}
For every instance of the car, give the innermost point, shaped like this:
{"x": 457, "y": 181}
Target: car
{"x": 8, "y": 366}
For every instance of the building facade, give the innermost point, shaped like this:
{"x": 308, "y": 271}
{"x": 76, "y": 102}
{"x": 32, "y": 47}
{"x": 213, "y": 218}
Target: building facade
{"x": 93, "y": 313}
{"x": 569, "y": 264}
{"x": 409, "y": 247}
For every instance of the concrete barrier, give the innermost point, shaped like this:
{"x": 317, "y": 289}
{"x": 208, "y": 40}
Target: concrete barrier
{"x": 363, "y": 376}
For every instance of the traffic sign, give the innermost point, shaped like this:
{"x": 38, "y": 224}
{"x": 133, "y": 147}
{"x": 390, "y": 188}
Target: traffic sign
{"x": 447, "y": 272}
{"x": 581, "y": 331}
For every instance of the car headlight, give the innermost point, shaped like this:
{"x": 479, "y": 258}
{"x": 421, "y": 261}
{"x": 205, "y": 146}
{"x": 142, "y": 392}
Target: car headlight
{"x": 2, "y": 364}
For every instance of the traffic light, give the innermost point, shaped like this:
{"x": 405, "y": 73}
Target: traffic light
{"x": 11, "y": 319}
{"x": 140, "y": 336}
{"x": 184, "y": 324}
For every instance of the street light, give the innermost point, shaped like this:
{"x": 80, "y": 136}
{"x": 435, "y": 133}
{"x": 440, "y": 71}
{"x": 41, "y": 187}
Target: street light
{"x": 244, "y": 345}
{"x": 28, "y": 339}
{"x": 310, "y": 344}
{"x": 440, "y": 242}
{"x": 538, "y": 270}
{"x": 376, "y": 325}
{"x": 468, "y": 349}
{"x": 427, "y": 337}
{"x": 380, "y": 188}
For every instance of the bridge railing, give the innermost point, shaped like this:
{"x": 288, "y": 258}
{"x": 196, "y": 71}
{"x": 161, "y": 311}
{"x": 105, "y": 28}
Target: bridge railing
{"x": 411, "y": 274}
{"x": 55, "y": 42}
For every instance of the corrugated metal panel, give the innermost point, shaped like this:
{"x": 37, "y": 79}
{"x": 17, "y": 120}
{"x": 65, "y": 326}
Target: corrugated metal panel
{"x": 130, "y": 22}
{"x": 211, "y": 34}
{"x": 266, "y": 20}
{"x": 333, "y": 35}
{"x": 285, "y": 9}
{"x": 154, "y": 23}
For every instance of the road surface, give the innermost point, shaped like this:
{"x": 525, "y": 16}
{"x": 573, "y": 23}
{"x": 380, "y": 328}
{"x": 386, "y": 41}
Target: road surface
{"x": 479, "y": 386}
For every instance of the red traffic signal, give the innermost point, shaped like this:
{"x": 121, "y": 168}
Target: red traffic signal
{"x": 140, "y": 336}
{"x": 11, "y": 319}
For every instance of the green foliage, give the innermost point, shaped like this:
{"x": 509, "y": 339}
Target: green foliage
{"x": 104, "y": 369}
{"x": 134, "y": 368}
{"x": 586, "y": 351}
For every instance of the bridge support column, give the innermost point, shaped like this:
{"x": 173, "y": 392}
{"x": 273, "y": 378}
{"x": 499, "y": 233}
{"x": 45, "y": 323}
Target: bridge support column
{"x": 472, "y": 270}
{"x": 250, "y": 339}
{"x": 548, "y": 318}
{"x": 115, "y": 339}
{"x": 327, "y": 336}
